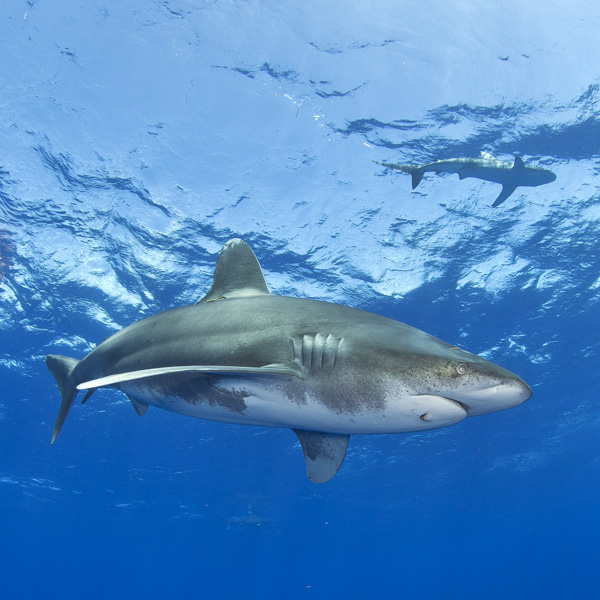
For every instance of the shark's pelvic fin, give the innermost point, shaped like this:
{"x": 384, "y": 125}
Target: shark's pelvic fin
{"x": 324, "y": 453}
{"x": 62, "y": 367}
{"x": 210, "y": 369}
{"x": 139, "y": 407}
{"x": 237, "y": 273}
{"x": 507, "y": 190}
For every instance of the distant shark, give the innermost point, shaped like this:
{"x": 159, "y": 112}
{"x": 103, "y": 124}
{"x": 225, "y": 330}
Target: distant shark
{"x": 327, "y": 371}
{"x": 248, "y": 520}
{"x": 510, "y": 174}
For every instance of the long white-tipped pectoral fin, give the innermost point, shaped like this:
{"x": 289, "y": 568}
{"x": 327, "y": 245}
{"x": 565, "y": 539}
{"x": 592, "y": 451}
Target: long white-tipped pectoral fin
{"x": 217, "y": 369}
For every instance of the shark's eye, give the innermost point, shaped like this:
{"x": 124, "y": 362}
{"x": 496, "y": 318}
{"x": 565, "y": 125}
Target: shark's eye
{"x": 461, "y": 368}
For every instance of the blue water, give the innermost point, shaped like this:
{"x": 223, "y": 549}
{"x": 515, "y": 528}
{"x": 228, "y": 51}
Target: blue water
{"x": 137, "y": 137}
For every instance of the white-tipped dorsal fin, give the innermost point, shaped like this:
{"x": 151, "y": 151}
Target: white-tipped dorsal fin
{"x": 237, "y": 273}
{"x": 487, "y": 155}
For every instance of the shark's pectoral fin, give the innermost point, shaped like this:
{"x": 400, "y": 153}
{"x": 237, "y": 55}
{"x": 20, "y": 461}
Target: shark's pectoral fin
{"x": 324, "y": 453}
{"x": 210, "y": 369}
{"x": 416, "y": 175}
{"x": 237, "y": 274}
{"x": 507, "y": 190}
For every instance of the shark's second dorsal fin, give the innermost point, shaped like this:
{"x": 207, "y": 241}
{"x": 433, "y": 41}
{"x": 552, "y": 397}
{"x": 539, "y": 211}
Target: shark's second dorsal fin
{"x": 237, "y": 273}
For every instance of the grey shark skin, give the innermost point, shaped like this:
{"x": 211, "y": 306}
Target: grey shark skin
{"x": 510, "y": 174}
{"x": 327, "y": 371}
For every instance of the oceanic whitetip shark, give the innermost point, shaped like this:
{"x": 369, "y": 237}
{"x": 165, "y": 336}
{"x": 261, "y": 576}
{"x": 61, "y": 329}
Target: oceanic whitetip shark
{"x": 510, "y": 174}
{"x": 327, "y": 371}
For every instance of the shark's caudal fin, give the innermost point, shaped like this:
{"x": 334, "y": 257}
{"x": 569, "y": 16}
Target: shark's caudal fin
{"x": 62, "y": 367}
{"x": 415, "y": 172}
{"x": 237, "y": 273}
{"x": 324, "y": 453}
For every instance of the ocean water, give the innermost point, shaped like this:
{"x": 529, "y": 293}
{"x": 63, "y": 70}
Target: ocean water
{"x": 137, "y": 137}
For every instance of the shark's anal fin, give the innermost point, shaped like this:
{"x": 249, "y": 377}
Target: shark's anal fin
{"x": 324, "y": 453}
{"x": 87, "y": 396}
{"x": 237, "y": 274}
{"x": 139, "y": 407}
{"x": 507, "y": 190}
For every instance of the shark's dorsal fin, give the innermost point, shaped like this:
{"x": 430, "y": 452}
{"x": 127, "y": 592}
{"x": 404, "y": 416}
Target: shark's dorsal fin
{"x": 324, "y": 453}
{"x": 519, "y": 164}
{"x": 487, "y": 155}
{"x": 237, "y": 273}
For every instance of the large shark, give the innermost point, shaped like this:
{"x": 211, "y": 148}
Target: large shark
{"x": 327, "y": 371}
{"x": 510, "y": 174}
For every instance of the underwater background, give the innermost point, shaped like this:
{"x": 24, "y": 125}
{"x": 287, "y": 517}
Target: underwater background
{"x": 137, "y": 137}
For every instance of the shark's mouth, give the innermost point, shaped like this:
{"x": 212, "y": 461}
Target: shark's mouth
{"x": 500, "y": 396}
{"x": 457, "y": 402}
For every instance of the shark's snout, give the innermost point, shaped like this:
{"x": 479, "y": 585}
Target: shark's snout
{"x": 507, "y": 393}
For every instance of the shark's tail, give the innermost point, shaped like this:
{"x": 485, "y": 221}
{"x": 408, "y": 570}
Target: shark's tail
{"x": 62, "y": 368}
{"x": 415, "y": 172}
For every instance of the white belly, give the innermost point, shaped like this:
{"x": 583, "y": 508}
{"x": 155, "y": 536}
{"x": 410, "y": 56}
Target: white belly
{"x": 289, "y": 402}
